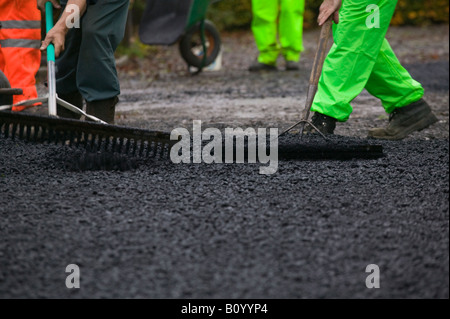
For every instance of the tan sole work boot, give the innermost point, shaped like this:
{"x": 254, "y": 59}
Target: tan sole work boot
{"x": 405, "y": 120}
{"x": 103, "y": 109}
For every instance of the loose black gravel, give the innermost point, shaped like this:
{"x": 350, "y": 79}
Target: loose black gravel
{"x": 154, "y": 229}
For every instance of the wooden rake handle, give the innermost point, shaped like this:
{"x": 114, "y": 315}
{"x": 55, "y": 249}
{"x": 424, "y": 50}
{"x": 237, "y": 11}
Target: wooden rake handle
{"x": 316, "y": 72}
{"x": 321, "y": 52}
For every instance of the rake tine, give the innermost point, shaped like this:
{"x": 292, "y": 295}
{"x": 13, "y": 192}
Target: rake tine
{"x": 21, "y": 131}
{"x": 121, "y": 141}
{"x": 106, "y": 145}
{"x": 112, "y": 143}
{"x": 93, "y": 136}
{"x": 58, "y": 136}
{"x": 70, "y": 138}
{"x": 13, "y": 132}
{"x": 7, "y": 130}
{"x": 77, "y": 138}
{"x": 149, "y": 148}
{"x": 141, "y": 148}
{"x": 51, "y": 135}
{"x": 37, "y": 133}
{"x": 134, "y": 146}
{"x": 126, "y": 146}
{"x": 92, "y": 143}
{"x": 29, "y": 129}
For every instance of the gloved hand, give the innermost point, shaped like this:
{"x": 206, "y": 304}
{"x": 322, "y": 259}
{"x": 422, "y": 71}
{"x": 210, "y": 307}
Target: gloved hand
{"x": 327, "y": 9}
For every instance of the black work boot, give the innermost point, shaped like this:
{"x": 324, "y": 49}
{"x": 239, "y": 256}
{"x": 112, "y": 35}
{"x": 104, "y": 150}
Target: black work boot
{"x": 261, "y": 67}
{"x": 405, "y": 120}
{"x": 103, "y": 109}
{"x": 75, "y": 99}
{"x": 324, "y": 123}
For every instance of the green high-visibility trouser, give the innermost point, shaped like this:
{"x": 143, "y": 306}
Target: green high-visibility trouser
{"x": 282, "y": 18}
{"x": 361, "y": 58}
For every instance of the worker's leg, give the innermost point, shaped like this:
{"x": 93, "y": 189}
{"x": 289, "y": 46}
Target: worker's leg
{"x": 103, "y": 27}
{"x": 353, "y": 56}
{"x": 66, "y": 63}
{"x": 20, "y": 38}
{"x": 291, "y": 29}
{"x": 264, "y": 27}
{"x": 401, "y": 97}
{"x": 22, "y": 66}
{"x": 2, "y": 60}
{"x": 66, "y": 72}
{"x": 391, "y": 83}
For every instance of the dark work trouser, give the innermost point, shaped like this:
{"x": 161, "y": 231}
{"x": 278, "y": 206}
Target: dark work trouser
{"x": 87, "y": 64}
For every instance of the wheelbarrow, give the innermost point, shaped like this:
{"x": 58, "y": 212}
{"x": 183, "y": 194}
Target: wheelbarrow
{"x": 166, "y": 22}
{"x": 6, "y": 92}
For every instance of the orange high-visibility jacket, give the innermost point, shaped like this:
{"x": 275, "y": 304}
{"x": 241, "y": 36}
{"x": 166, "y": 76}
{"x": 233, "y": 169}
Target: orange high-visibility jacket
{"x": 20, "y": 39}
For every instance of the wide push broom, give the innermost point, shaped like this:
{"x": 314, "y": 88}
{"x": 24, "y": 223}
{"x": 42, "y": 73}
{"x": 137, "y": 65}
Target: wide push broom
{"x": 94, "y": 134}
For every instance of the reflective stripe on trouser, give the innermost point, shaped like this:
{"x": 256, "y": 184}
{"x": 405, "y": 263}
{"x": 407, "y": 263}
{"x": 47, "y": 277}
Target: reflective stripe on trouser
{"x": 20, "y": 38}
{"x": 20, "y": 43}
{"x": 88, "y": 64}
{"x": 361, "y": 58}
{"x": 282, "y": 19}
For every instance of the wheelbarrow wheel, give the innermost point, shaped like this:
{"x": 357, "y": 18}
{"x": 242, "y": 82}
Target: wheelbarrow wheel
{"x": 5, "y": 99}
{"x": 191, "y": 48}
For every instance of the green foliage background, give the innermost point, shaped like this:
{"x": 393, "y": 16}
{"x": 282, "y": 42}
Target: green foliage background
{"x": 230, "y": 15}
{"x": 236, "y": 14}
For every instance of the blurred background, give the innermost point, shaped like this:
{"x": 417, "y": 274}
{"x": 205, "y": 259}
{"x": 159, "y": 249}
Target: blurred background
{"x": 230, "y": 15}
{"x": 233, "y": 17}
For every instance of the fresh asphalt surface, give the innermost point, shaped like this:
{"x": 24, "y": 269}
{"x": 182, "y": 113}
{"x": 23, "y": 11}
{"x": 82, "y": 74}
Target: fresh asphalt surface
{"x": 224, "y": 231}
